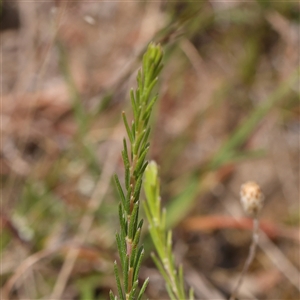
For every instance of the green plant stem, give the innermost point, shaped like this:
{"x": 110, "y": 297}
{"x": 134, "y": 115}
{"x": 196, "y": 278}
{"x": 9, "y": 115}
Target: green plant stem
{"x": 134, "y": 158}
{"x": 162, "y": 239}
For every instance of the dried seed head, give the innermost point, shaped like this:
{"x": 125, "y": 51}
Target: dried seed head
{"x": 252, "y": 198}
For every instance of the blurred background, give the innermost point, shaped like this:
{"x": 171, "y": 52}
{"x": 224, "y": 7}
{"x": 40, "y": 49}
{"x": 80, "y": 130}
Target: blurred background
{"x": 228, "y": 112}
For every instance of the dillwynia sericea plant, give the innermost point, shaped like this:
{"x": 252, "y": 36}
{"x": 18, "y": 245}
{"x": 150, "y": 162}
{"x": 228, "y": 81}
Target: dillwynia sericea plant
{"x": 134, "y": 158}
{"x": 162, "y": 239}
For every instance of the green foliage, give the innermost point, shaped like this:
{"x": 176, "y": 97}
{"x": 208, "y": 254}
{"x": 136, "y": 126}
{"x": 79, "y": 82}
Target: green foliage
{"x": 161, "y": 238}
{"x": 134, "y": 158}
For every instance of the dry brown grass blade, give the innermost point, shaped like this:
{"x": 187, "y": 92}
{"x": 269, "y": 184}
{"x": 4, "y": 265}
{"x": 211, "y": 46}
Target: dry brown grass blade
{"x": 27, "y": 116}
{"x": 279, "y": 260}
{"x": 193, "y": 55}
{"x": 200, "y": 284}
{"x": 215, "y": 222}
{"x": 86, "y": 221}
{"x": 26, "y": 264}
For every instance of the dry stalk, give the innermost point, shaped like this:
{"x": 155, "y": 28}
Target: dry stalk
{"x": 251, "y": 255}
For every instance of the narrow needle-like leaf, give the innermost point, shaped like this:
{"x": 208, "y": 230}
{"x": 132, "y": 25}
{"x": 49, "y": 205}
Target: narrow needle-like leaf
{"x": 135, "y": 149}
{"x": 127, "y": 127}
{"x": 118, "y": 281}
{"x": 142, "y": 291}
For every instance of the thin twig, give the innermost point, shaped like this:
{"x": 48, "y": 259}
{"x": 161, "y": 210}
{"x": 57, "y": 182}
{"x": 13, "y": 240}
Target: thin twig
{"x": 250, "y": 257}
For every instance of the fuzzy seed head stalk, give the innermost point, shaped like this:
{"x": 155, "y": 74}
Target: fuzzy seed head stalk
{"x": 252, "y": 198}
